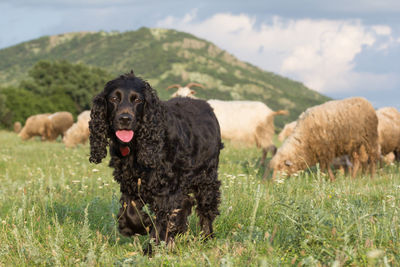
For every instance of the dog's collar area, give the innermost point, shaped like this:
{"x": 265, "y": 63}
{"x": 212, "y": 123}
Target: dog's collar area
{"x": 125, "y": 150}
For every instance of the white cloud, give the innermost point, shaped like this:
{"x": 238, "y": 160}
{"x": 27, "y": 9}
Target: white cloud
{"x": 319, "y": 53}
{"x": 382, "y": 30}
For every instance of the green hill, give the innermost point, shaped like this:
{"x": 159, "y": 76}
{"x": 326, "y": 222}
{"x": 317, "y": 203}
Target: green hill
{"x": 163, "y": 57}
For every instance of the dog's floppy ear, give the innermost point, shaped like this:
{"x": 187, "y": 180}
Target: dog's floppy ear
{"x": 98, "y": 128}
{"x": 150, "y": 133}
{"x": 150, "y": 95}
{"x": 151, "y": 100}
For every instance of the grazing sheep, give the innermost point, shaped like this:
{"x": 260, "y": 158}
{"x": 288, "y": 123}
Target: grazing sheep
{"x": 389, "y": 131}
{"x": 341, "y": 163}
{"x": 61, "y": 122}
{"x": 330, "y": 130}
{"x": 79, "y": 131}
{"x": 185, "y": 91}
{"x": 247, "y": 122}
{"x": 287, "y": 130}
{"x": 37, "y": 125}
{"x": 17, "y": 127}
{"x": 165, "y": 155}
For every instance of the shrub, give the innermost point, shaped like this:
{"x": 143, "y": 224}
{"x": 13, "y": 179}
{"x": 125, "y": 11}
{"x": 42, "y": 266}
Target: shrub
{"x": 51, "y": 87}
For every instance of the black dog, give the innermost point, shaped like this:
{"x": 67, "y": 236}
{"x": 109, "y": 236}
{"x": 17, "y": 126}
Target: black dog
{"x": 164, "y": 154}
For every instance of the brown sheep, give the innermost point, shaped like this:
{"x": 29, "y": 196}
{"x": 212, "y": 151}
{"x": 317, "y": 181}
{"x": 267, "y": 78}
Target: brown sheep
{"x": 341, "y": 163}
{"x": 389, "y": 131}
{"x": 37, "y": 125}
{"x": 61, "y": 122}
{"x": 79, "y": 131}
{"x": 17, "y": 127}
{"x": 330, "y": 130}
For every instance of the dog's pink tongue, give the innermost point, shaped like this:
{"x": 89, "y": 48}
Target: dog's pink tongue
{"x": 124, "y": 135}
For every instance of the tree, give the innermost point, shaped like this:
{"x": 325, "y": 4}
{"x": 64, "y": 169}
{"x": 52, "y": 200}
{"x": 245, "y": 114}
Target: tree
{"x": 51, "y": 87}
{"x": 78, "y": 81}
{"x": 5, "y": 114}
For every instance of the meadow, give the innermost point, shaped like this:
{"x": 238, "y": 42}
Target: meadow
{"x": 57, "y": 209}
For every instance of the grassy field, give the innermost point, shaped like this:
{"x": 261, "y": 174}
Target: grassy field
{"x": 58, "y": 209}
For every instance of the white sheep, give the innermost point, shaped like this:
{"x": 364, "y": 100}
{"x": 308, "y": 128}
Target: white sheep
{"x": 79, "y": 131}
{"x": 247, "y": 122}
{"x": 389, "y": 131}
{"x": 330, "y": 130}
{"x": 185, "y": 91}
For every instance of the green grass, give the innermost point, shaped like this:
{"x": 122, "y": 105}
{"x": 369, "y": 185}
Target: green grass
{"x": 58, "y": 209}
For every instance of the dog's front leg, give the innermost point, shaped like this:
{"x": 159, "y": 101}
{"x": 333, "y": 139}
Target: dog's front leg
{"x": 171, "y": 217}
{"x": 157, "y": 233}
{"x": 131, "y": 219}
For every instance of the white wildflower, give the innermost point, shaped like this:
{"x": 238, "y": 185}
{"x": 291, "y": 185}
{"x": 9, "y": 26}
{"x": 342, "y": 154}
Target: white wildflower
{"x": 375, "y": 253}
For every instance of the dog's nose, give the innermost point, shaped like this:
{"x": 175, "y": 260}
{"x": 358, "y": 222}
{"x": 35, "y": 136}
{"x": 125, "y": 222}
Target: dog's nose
{"x": 125, "y": 119}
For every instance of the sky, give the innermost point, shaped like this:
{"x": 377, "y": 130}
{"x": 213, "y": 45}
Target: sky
{"x": 339, "y": 48}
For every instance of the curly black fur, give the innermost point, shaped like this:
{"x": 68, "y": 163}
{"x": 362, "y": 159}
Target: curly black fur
{"x": 173, "y": 158}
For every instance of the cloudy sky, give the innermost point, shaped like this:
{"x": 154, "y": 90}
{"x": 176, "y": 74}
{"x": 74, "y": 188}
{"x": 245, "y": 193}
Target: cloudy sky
{"x": 340, "y": 48}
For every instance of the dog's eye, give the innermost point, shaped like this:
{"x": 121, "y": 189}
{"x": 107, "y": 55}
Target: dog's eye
{"x": 114, "y": 99}
{"x": 138, "y": 100}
